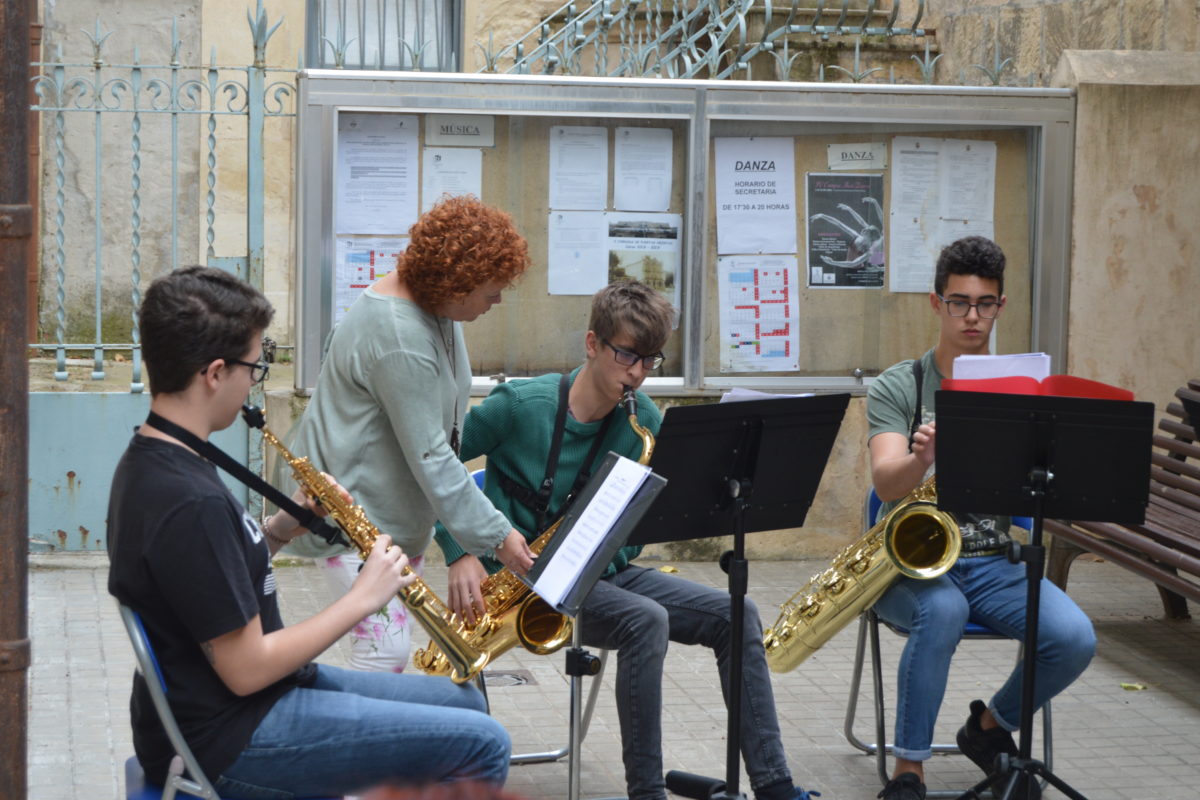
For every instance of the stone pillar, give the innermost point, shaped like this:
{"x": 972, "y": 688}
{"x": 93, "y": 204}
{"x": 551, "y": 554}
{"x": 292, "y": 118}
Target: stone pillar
{"x": 1135, "y": 283}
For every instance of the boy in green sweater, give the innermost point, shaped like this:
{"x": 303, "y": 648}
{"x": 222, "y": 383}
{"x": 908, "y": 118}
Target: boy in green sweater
{"x": 633, "y": 610}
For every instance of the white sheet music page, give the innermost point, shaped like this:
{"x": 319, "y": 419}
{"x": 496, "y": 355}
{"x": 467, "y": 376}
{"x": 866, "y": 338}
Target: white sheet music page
{"x": 1031, "y": 365}
{"x": 606, "y": 507}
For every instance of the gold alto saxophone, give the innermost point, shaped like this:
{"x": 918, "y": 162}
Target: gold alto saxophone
{"x": 463, "y": 659}
{"x": 513, "y": 614}
{"x": 915, "y": 539}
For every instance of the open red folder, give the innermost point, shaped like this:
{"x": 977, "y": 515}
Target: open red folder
{"x": 1055, "y": 385}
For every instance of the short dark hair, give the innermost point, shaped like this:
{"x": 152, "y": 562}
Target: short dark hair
{"x": 629, "y": 306}
{"x": 457, "y": 246}
{"x": 970, "y": 255}
{"x": 193, "y": 316}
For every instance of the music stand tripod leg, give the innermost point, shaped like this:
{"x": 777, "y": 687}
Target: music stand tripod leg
{"x": 579, "y": 662}
{"x": 1023, "y": 769}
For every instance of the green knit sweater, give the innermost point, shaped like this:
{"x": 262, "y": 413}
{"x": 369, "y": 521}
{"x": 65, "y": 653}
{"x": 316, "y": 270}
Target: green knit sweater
{"x": 513, "y": 427}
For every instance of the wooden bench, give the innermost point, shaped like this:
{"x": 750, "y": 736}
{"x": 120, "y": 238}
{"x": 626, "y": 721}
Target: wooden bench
{"x": 1166, "y": 547}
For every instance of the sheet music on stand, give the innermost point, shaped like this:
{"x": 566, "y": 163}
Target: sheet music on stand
{"x": 608, "y": 508}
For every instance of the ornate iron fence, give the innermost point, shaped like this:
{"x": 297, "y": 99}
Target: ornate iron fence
{"x": 120, "y": 107}
{"x": 692, "y": 38}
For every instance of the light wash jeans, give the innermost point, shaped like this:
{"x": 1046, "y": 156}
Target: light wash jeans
{"x": 987, "y": 590}
{"x": 636, "y": 612}
{"x": 353, "y": 730}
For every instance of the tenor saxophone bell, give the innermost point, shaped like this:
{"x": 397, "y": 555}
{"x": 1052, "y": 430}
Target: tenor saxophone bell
{"x": 515, "y": 615}
{"x": 915, "y": 540}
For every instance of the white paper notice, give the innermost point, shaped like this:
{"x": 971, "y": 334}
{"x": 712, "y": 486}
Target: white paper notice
{"x": 376, "y": 173}
{"x": 597, "y": 519}
{"x": 968, "y": 180}
{"x": 451, "y": 171}
{"x": 1029, "y": 365}
{"x": 759, "y": 312}
{"x": 942, "y": 190}
{"x": 578, "y": 168}
{"x": 646, "y": 247}
{"x": 578, "y": 257}
{"x": 360, "y": 261}
{"x": 914, "y": 214}
{"x": 756, "y": 195}
{"x": 642, "y": 167}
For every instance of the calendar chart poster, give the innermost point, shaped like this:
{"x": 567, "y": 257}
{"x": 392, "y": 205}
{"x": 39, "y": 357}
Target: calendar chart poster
{"x": 845, "y": 230}
{"x": 759, "y": 313}
{"x": 360, "y": 262}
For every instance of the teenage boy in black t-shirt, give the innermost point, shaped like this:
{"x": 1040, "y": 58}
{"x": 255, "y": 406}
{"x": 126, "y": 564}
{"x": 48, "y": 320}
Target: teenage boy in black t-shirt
{"x": 258, "y": 715}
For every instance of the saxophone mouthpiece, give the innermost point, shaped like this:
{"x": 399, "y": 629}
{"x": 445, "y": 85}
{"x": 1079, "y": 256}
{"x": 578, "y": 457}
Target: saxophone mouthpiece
{"x": 253, "y": 415}
{"x": 629, "y": 400}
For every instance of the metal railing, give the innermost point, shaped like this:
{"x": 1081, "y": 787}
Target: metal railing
{"x": 691, "y": 38}
{"x": 113, "y": 105}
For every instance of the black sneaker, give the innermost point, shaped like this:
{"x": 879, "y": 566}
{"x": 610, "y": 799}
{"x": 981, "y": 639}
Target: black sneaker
{"x": 906, "y": 787}
{"x": 982, "y": 747}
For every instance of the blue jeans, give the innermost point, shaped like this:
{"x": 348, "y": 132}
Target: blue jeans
{"x": 636, "y": 612}
{"x": 353, "y": 730}
{"x": 987, "y": 590}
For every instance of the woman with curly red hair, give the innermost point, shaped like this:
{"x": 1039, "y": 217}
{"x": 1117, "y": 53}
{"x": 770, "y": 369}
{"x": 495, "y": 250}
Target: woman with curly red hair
{"x": 390, "y": 400}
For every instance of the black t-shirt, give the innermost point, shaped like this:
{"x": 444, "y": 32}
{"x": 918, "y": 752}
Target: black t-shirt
{"x": 187, "y": 557}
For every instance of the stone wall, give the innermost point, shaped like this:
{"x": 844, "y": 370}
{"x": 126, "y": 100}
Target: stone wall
{"x": 1035, "y": 33}
{"x": 1135, "y": 287}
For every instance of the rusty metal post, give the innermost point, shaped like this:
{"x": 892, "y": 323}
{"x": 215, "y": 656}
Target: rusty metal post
{"x": 16, "y": 223}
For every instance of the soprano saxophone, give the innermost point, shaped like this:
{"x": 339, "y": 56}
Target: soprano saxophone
{"x": 464, "y": 661}
{"x": 512, "y": 613}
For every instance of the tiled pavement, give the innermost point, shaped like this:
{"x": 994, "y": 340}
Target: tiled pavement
{"x": 1109, "y": 741}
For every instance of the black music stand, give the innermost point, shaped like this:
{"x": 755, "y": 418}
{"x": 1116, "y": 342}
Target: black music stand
{"x": 737, "y": 468}
{"x": 579, "y": 661}
{"x": 1037, "y": 456}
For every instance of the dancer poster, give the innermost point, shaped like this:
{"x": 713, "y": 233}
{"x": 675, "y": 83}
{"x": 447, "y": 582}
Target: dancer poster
{"x": 845, "y": 230}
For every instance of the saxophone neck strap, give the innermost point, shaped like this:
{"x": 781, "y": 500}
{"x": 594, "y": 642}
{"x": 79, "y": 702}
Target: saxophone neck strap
{"x": 210, "y": 451}
{"x": 919, "y": 376}
{"x": 539, "y": 501}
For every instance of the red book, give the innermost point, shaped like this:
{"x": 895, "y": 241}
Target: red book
{"x": 1054, "y": 385}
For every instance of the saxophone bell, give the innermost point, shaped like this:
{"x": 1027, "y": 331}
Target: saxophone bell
{"x": 915, "y": 540}
{"x": 515, "y": 615}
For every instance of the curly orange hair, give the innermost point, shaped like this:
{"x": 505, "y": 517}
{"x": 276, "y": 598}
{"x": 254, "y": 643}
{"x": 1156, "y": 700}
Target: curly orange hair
{"x": 456, "y": 247}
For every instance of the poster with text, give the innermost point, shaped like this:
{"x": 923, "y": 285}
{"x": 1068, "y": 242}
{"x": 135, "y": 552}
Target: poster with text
{"x": 642, "y": 168}
{"x": 578, "y": 255}
{"x": 450, "y": 171}
{"x": 376, "y": 173}
{"x": 646, "y": 247}
{"x": 756, "y": 195}
{"x": 578, "y": 167}
{"x": 759, "y": 313}
{"x": 942, "y": 190}
{"x": 845, "y": 230}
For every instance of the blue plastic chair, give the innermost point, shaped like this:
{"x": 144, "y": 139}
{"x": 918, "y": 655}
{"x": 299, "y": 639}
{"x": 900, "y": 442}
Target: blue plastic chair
{"x": 184, "y": 774}
{"x": 868, "y": 628}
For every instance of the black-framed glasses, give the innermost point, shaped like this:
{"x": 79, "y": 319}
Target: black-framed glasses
{"x": 987, "y": 309}
{"x": 258, "y": 369}
{"x": 627, "y": 358}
